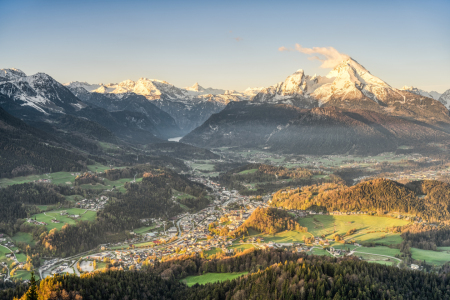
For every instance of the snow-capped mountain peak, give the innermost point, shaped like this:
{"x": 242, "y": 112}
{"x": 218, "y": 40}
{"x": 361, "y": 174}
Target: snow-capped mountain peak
{"x": 195, "y": 88}
{"x": 11, "y": 73}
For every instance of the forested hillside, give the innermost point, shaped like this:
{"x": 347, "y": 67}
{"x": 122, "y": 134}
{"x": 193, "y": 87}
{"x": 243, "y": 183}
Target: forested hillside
{"x": 270, "y": 221}
{"x": 281, "y": 275}
{"x": 25, "y": 150}
{"x": 378, "y": 195}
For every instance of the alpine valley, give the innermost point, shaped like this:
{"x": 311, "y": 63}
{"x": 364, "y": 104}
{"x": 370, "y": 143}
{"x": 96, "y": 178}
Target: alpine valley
{"x": 317, "y": 187}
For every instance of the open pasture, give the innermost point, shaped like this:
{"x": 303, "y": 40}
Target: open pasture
{"x": 281, "y": 237}
{"x": 319, "y": 225}
{"x": 47, "y": 217}
{"x": 211, "y": 278}
{"x": 23, "y": 237}
{"x": 378, "y": 250}
{"x": 437, "y": 258}
{"x": 251, "y": 171}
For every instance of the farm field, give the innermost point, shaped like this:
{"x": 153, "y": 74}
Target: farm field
{"x": 3, "y": 251}
{"x": 251, "y": 171}
{"x": 324, "y": 225}
{"x": 212, "y": 251}
{"x": 145, "y": 229}
{"x": 380, "y": 250}
{"x": 21, "y": 257}
{"x": 23, "y": 237}
{"x": 181, "y": 195}
{"x": 317, "y": 251}
{"x": 241, "y": 247}
{"x": 430, "y": 256}
{"x": 211, "y": 278}
{"x": 25, "y": 275}
{"x": 383, "y": 262}
{"x": 281, "y": 237}
{"x": 48, "y": 216}
{"x": 203, "y": 166}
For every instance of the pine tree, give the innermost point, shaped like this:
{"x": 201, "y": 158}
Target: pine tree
{"x": 32, "y": 290}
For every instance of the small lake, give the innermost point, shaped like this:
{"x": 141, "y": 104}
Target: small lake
{"x": 175, "y": 139}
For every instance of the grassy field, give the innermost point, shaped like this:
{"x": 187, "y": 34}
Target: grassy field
{"x": 25, "y": 275}
{"x": 431, "y": 257}
{"x": 101, "y": 265}
{"x": 48, "y": 216}
{"x": 211, "y": 278}
{"x": 381, "y": 250}
{"x": 281, "y": 237}
{"x": 383, "y": 262}
{"x": 21, "y": 257}
{"x": 3, "y": 251}
{"x": 324, "y": 225}
{"x": 251, "y": 171}
{"x": 212, "y": 251}
{"x": 145, "y": 229}
{"x": 203, "y": 167}
{"x": 317, "y": 251}
{"x": 241, "y": 247}
{"x": 181, "y": 195}
{"x": 23, "y": 237}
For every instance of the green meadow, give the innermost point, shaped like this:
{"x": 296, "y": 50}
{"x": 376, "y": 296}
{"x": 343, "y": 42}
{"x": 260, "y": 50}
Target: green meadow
{"x": 319, "y": 225}
{"x": 211, "y": 278}
{"x": 47, "y": 217}
{"x": 437, "y": 258}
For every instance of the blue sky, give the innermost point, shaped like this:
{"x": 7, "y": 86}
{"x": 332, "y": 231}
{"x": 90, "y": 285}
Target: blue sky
{"x": 224, "y": 44}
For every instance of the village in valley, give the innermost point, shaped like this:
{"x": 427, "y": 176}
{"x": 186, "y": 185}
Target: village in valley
{"x": 188, "y": 233}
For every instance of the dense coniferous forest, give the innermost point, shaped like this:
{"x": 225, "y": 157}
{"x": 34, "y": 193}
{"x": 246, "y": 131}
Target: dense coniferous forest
{"x": 25, "y": 150}
{"x": 426, "y": 237}
{"x": 13, "y": 198}
{"x": 278, "y": 275}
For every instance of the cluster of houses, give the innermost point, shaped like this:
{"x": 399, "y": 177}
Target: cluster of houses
{"x": 62, "y": 269}
{"x": 95, "y": 204}
{"x": 35, "y": 222}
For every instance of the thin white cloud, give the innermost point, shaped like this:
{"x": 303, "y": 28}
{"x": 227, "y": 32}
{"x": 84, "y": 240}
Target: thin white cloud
{"x": 329, "y": 56}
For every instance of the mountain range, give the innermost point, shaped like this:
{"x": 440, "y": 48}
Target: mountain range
{"x": 190, "y": 106}
{"x": 348, "y": 110}
{"x": 41, "y": 100}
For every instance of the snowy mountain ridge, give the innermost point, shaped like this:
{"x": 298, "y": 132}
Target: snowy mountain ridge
{"x": 39, "y": 91}
{"x": 154, "y": 89}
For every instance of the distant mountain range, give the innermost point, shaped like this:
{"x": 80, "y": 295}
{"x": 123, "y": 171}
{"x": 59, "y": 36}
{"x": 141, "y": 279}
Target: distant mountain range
{"x": 190, "y": 106}
{"x": 41, "y": 99}
{"x": 348, "y": 110}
